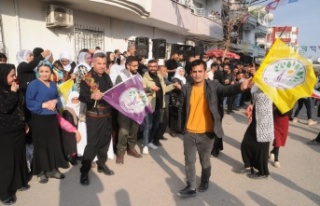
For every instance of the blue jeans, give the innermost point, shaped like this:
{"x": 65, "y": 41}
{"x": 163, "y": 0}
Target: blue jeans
{"x": 151, "y": 122}
{"x": 237, "y": 101}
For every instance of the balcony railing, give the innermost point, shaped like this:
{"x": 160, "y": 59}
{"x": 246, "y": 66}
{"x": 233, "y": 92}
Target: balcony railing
{"x": 214, "y": 16}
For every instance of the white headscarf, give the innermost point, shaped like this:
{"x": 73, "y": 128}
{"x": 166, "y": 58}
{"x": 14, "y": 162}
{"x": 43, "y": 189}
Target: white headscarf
{"x": 82, "y": 62}
{"x": 66, "y": 55}
{"x": 22, "y": 55}
{"x": 178, "y": 76}
{"x": 74, "y": 106}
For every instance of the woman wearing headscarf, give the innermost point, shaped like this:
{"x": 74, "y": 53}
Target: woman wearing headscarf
{"x": 13, "y": 170}
{"x": 259, "y": 134}
{"x": 26, "y": 67}
{"x": 179, "y": 76}
{"x": 67, "y": 63}
{"x": 83, "y": 67}
{"x": 71, "y": 114}
{"x": 43, "y": 100}
{"x": 175, "y": 103}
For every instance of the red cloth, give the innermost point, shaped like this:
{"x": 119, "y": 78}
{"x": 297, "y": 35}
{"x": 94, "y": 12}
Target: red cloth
{"x": 281, "y": 129}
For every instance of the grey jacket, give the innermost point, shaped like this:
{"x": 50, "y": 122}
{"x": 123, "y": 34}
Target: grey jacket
{"x": 213, "y": 90}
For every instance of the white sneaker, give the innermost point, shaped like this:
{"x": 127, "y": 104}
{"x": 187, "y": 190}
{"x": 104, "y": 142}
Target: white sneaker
{"x": 311, "y": 122}
{"x": 271, "y": 157}
{"x": 276, "y": 164}
{"x": 295, "y": 120}
{"x": 145, "y": 150}
{"x": 152, "y": 146}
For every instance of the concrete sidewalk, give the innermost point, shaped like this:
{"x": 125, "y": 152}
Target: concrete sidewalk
{"x": 156, "y": 178}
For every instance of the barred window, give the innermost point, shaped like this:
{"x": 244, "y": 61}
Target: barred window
{"x": 88, "y": 37}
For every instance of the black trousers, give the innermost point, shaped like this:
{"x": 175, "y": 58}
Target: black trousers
{"x": 163, "y": 125}
{"x": 98, "y": 141}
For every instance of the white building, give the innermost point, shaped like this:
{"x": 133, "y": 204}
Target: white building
{"x": 111, "y": 24}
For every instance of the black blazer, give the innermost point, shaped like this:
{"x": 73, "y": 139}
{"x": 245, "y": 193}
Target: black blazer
{"x": 213, "y": 91}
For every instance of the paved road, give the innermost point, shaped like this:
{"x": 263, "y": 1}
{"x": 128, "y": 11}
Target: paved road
{"x": 156, "y": 178}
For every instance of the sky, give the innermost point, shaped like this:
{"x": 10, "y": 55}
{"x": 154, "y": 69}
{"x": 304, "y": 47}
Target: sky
{"x": 304, "y": 14}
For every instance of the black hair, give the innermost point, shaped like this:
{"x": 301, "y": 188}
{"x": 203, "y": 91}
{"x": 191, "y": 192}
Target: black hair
{"x": 152, "y": 61}
{"x": 197, "y": 63}
{"x": 214, "y": 64}
{"x": 37, "y": 52}
{"x": 131, "y": 59}
{"x": 84, "y": 50}
{"x": 108, "y": 57}
{"x": 3, "y": 57}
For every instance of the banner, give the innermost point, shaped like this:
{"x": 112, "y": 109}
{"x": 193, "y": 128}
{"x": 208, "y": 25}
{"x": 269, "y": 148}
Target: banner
{"x": 130, "y": 99}
{"x": 285, "y": 76}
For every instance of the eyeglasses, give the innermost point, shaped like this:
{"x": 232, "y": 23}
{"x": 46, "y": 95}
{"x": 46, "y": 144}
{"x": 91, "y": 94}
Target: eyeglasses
{"x": 45, "y": 63}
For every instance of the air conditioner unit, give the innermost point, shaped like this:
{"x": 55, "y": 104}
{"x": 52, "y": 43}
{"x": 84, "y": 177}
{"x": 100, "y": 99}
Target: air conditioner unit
{"x": 57, "y": 16}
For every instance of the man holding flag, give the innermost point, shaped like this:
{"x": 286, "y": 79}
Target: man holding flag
{"x": 98, "y": 117}
{"x": 128, "y": 128}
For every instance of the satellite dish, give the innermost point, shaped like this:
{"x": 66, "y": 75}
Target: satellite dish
{"x": 60, "y": 14}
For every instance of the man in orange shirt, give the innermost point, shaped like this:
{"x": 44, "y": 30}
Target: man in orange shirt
{"x": 202, "y": 123}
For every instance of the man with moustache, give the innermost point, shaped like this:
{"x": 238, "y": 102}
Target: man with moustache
{"x": 98, "y": 117}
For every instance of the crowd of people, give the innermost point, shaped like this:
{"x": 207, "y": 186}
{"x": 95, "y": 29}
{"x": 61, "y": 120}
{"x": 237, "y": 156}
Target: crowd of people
{"x": 42, "y": 132}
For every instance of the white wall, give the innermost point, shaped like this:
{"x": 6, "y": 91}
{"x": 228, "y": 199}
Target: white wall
{"x": 28, "y": 30}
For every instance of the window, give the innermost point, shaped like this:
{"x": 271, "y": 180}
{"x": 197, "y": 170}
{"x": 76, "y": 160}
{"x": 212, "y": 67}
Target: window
{"x": 88, "y": 37}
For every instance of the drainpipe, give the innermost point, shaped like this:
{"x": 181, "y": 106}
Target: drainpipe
{"x": 16, "y": 9}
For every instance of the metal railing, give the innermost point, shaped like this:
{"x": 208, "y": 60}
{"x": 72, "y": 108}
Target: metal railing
{"x": 199, "y": 11}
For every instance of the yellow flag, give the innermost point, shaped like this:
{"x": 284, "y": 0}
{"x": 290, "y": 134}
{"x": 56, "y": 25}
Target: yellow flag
{"x": 64, "y": 90}
{"x": 285, "y": 76}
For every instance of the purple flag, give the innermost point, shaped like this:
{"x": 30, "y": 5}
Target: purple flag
{"x": 129, "y": 98}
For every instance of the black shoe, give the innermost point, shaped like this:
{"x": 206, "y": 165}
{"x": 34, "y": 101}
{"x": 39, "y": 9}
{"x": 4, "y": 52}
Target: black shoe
{"x": 84, "y": 179}
{"x": 105, "y": 170}
{"x": 257, "y": 176}
{"x": 173, "y": 134}
{"x": 187, "y": 192}
{"x": 43, "y": 178}
{"x": 157, "y": 143}
{"x": 244, "y": 170}
{"x": 215, "y": 153}
{"x": 163, "y": 138}
{"x": 55, "y": 174}
{"x": 73, "y": 160}
{"x": 9, "y": 201}
{"x": 313, "y": 142}
{"x": 203, "y": 185}
{"x": 24, "y": 188}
